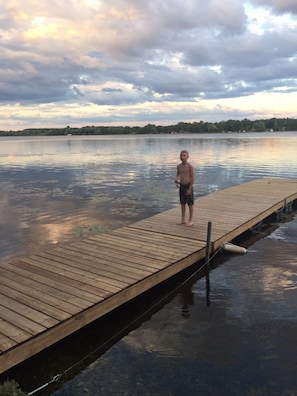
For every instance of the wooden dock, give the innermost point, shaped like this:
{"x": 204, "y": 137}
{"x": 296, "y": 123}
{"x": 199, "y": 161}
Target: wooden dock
{"x": 47, "y": 296}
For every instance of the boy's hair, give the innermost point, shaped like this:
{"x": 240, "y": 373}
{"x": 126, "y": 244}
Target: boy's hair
{"x": 184, "y": 152}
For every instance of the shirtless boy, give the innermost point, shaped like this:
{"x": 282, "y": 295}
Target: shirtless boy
{"x": 186, "y": 177}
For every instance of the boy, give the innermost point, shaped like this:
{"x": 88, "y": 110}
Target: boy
{"x": 186, "y": 177}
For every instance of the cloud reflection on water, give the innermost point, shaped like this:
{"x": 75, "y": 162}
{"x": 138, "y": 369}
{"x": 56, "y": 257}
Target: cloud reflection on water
{"x": 58, "y": 188}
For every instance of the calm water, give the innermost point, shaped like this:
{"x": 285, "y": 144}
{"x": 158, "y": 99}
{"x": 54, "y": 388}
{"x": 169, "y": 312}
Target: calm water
{"x": 55, "y": 190}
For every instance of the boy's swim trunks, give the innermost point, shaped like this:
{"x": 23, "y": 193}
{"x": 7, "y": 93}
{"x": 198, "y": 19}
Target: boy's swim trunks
{"x": 183, "y": 197}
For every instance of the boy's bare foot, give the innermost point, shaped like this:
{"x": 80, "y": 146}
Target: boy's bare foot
{"x": 190, "y": 223}
{"x": 181, "y": 222}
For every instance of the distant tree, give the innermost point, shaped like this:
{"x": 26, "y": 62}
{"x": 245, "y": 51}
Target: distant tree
{"x": 246, "y": 125}
{"x": 150, "y": 129}
{"x": 233, "y": 125}
{"x": 269, "y": 124}
{"x": 290, "y": 124}
{"x": 259, "y": 126}
{"x": 212, "y": 128}
{"x": 196, "y": 127}
{"x": 221, "y": 126}
{"x": 204, "y": 127}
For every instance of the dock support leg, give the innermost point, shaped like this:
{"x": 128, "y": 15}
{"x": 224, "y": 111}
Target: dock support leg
{"x": 208, "y": 243}
{"x": 280, "y": 214}
{"x": 289, "y": 208}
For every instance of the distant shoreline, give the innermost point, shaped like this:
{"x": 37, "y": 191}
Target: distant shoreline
{"x": 230, "y": 126}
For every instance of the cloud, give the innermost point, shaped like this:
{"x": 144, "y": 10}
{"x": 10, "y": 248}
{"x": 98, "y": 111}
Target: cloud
{"x": 278, "y": 6}
{"x": 285, "y": 6}
{"x": 141, "y": 55}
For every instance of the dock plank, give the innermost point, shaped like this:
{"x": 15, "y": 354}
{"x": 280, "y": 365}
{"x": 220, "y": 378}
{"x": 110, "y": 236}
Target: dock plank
{"x": 102, "y": 274}
{"x": 65, "y": 278}
{"x": 49, "y": 295}
{"x": 107, "y": 262}
{"x": 37, "y": 301}
{"x": 11, "y": 335}
{"x": 65, "y": 268}
{"x": 52, "y": 287}
{"x": 19, "y": 320}
{"x": 7, "y": 343}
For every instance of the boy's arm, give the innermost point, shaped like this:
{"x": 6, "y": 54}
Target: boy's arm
{"x": 192, "y": 177}
{"x": 177, "y": 176}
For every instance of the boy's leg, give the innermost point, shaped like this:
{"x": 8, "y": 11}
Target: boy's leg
{"x": 183, "y": 214}
{"x": 191, "y": 210}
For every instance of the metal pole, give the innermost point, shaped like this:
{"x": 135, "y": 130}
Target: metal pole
{"x": 208, "y": 248}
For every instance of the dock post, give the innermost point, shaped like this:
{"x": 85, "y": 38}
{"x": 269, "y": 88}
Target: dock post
{"x": 280, "y": 214}
{"x": 289, "y": 208}
{"x": 208, "y": 243}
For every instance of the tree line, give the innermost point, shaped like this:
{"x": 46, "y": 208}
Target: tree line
{"x": 245, "y": 125}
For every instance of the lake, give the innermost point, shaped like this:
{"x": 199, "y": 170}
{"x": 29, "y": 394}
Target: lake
{"x": 59, "y": 189}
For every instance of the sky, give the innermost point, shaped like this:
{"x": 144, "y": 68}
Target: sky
{"x": 136, "y": 62}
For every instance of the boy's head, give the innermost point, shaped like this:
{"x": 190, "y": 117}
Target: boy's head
{"x": 184, "y": 155}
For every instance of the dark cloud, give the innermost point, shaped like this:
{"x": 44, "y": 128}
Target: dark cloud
{"x": 278, "y": 6}
{"x": 285, "y": 6}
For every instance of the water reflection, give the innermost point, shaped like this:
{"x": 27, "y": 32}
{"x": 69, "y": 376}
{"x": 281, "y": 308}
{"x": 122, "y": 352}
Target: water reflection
{"x": 57, "y": 188}
{"x": 54, "y": 190}
{"x": 103, "y": 177}
{"x": 204, "y": 149}
{"x": 187, "y": 300}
